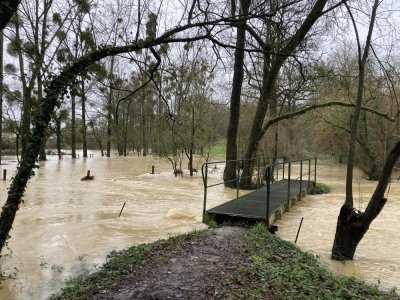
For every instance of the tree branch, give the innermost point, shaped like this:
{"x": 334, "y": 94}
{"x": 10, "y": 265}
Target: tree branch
{"x": 306, "y": 109}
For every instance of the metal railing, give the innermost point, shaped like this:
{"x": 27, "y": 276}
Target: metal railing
{"x": 265, "y": 170}
{"x": 302, "y": 173}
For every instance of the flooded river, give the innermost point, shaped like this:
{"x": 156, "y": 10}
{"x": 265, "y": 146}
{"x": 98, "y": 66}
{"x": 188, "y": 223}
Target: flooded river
{"x": 376, "y": 260}
{"x": 66, "y": 227}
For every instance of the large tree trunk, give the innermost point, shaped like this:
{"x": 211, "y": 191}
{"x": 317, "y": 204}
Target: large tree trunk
{"x": 234, "y": 112}
{"x": 271, "y": 72}
{"x": 1, "y": 91}
{"x": 353, "y": 224}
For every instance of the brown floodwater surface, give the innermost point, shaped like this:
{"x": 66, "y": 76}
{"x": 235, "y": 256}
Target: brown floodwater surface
{"x": 66, "y": 227}
{"x": 376, "y": 259}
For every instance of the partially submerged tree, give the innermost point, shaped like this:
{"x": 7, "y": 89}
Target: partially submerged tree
{"x": 353, "y": 224}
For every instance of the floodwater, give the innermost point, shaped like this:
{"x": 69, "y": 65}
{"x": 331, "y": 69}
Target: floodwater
{"x": 66, "y": 226}
{"x": 376, "y": 260}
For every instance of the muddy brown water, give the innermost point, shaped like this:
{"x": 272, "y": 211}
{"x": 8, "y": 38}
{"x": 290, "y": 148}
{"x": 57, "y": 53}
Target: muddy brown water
{"x": 66, "y": 227}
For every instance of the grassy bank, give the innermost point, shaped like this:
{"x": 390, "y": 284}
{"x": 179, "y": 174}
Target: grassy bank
{"x": 264, "y": 267}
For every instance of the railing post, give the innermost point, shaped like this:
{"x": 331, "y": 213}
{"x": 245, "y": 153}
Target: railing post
{"x": 205, "y": 188}
{"x": 268, "y": 195}
{"x": 309, "y": 173}
{"x": 258, "y": 173}
{"x": 283, "y": 171}
{"x": 288, "y": 190}
{"x": 301, "y": 177}
{"x": 237, "y": 180}
{"x": 315, "y": 171}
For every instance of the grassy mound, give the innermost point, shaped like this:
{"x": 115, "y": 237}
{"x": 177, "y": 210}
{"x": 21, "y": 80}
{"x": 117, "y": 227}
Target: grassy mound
{"x": 261, "y": 266}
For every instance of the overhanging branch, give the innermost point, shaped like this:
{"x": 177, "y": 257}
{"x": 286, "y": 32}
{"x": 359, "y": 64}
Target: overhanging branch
{"x": 306, "y": 109}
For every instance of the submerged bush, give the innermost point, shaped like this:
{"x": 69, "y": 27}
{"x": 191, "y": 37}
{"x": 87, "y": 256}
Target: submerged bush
{"x": 321, "y": 188}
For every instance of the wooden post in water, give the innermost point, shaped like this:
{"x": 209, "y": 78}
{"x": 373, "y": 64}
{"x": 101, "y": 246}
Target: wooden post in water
{"x": 152, "y": 169}
{"x": 298, "y": 231}
{"x": 5, "y": 174}
{"x": 121, "y": 209}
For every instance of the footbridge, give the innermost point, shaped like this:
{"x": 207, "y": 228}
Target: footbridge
{"x": 279, "y": 185}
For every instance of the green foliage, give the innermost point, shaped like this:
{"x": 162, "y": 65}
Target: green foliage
{"x": 57, "y": 18}
{"x": 61, "y": 35}
{"x": 10, "y": 68}
{"x": 13, "y": 47}
{"x": 83, "y": 6}
{"x": 218, "y": 148}
{"x": 61, "y": 54}
{"x": 87, "y": 38}
{"x": 280, "y": 270}
{"x": 151, "y": 26}
{"x": 321, "y": 188}
{"x": 212, "y": 224}
{"x": 29, "y": 48}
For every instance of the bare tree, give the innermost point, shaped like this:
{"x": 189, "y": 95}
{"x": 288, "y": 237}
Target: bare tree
{"x": 353, "y": 224}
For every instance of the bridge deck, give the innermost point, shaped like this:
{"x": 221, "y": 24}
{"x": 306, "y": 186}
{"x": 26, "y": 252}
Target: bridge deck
{"x": 253, "y": 206}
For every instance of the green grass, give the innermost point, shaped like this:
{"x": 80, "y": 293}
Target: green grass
{"x": 278, "y": 269}
{"x": 219, "y": 148}
{"x": 270, "y": 268}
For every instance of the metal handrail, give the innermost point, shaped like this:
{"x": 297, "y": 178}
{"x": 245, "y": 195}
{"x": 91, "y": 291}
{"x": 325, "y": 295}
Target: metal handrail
{"x": 269, "y": 179}
{"x": 268, "y": 176}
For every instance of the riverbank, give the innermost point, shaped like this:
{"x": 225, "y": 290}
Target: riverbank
{"x": 221, "y": 263}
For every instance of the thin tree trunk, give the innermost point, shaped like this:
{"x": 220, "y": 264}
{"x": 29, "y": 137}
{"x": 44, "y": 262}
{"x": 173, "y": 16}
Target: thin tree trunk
{"x": 58, "y": 136}
{"x": 73, "y": 125}
{"x": 26, "y": 96}
{"x": 109, "y": 109}
{"x": 352, "y": 224}
{"x": 84, "y": 130}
